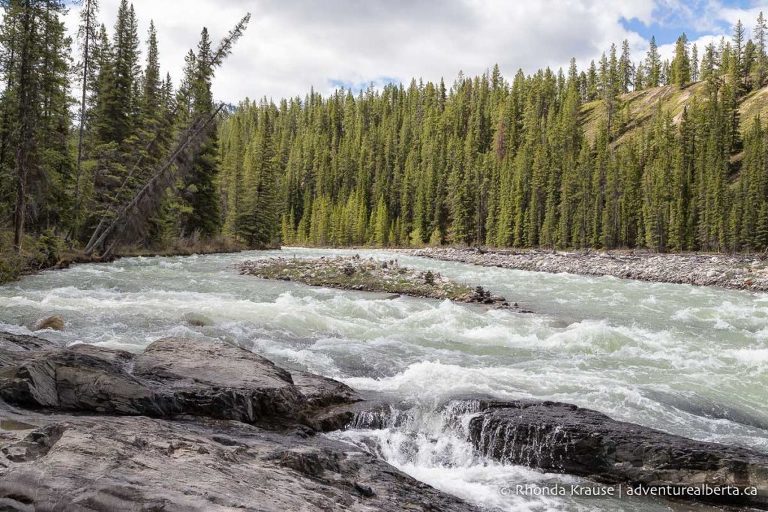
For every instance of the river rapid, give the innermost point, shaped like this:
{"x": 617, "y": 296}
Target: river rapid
{"x": 688, "y": 360}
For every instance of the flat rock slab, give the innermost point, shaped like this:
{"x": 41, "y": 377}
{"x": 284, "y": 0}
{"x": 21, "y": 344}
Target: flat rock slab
{"x": 108, "y": 463}
{"x": 173, "y": 377}
{"x": 16, "y": 347}
{"x": 565, "y": 438}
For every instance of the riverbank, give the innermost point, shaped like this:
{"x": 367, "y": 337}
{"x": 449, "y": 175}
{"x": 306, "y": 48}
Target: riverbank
{"x": 740, "y": 272}
{"x": 370, "y": 275}
{"x": 46, "y": 253}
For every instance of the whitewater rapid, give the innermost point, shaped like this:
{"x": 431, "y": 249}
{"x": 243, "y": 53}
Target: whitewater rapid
{"x": 686, "y": 360}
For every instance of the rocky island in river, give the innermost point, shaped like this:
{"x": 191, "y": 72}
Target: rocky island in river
{"x": 371, "y": 275}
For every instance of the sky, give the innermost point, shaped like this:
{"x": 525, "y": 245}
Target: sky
{"x": 294, "y": 45}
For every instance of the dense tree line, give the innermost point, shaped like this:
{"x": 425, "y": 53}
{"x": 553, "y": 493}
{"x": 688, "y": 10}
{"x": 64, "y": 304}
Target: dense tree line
{"x": 481, "y": 161}
{"x": 68, "y": 165}
{"x": 486, "y": 161}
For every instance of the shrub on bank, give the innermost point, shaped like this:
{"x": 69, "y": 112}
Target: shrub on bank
{"x": 37, "y": 253}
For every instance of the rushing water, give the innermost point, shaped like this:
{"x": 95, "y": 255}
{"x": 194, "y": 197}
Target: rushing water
{"x": 687, "y": 360}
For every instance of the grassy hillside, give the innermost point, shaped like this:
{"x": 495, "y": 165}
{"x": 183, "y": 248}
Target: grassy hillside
{"x": 642, "y": 104}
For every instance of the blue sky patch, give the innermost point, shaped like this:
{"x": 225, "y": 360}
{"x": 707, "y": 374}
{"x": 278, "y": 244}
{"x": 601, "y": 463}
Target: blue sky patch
{"x": 356, "y": 87}
{"x": 695, "y": 17}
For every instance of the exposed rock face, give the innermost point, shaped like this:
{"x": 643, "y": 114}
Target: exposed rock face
{"x": 15, "y": 347}
{"x": 54, "y": 322}
{"x": 187, "y": 425}
{"x": 564, "y": 438}
{"x": 743, "y": 272}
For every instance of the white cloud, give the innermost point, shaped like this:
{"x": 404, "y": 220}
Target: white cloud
{"x": 292, "y": 45}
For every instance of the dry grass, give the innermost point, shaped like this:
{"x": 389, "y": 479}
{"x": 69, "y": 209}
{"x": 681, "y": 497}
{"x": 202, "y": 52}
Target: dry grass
{"x": 643, "y": 104}
{"x": 754, "y": 104}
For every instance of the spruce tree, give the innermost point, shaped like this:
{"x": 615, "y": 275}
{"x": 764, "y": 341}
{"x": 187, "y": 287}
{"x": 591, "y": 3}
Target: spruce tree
{"x": 199, "y": 193}
{"x": 653, "y": 65}
{"x": 681, "y": 64}
{"x": 87, "y": 36}
{"x": 35, "y": 116}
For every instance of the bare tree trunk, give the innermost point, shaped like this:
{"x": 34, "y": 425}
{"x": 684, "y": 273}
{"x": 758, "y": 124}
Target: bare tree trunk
{"x": 26, "y": 125}
{"x": 86, "y": 55}
{"x": 21, "y": 201}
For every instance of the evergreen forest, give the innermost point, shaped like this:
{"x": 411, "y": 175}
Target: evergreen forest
{"x": 100, "y": 150}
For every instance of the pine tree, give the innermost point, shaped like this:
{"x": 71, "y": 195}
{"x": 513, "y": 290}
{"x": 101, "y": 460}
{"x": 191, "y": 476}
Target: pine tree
{"x": 694, "y": 63}
{"x": 761, "y": 61}
{"x": 681, "y": 64}
{"x": 116, "y": 118}
{"x": 257, "y": 225}
{"x": 120, "y": 95}
{"x": 152, "y": 107}
{"x": 380, "y": 223}
{"x": 625, "y": 67}
{"x": 592, "y": 82}
{"x": 653, "y": 65}
{"x": 737, "y": 69}
{"x": 87, "y": 36}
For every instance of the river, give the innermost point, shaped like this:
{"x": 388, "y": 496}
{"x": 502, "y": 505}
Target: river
{"x": 687, "y": 360}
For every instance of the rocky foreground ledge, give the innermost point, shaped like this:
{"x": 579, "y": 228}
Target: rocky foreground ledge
{"x": 201, "y": 425}
{"x": 371, "y": 275}
{"x": 745, "y": 272}
{"x": 189, "y": 425}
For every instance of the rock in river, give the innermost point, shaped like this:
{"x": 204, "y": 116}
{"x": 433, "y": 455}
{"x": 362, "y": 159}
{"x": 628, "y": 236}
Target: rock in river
{"x": 558, "y": 437}
{"x": 55, "y": 322}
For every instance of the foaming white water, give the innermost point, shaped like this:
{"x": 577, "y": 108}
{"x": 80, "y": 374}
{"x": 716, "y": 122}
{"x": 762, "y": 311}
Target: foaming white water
{"x": 691, "y": 361}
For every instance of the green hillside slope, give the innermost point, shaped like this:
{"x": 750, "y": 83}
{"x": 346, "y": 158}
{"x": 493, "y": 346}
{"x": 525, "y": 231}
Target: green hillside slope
{"x": 642, "y": 105}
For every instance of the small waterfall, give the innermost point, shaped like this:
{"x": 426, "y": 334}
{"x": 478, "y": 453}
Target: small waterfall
{"x": 534, "y": 445}
{"x": 425, "y": 435}
{"x": 421, "y": 431}
{"x": 454, "y": 447}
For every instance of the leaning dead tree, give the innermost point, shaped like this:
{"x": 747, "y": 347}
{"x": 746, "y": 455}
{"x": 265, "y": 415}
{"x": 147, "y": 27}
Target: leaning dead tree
{"x": 134, "y": 215}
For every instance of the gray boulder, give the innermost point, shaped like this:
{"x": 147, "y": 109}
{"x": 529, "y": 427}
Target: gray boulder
{"x": 564, "y": 438}
{"x": 171, "y": 377}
